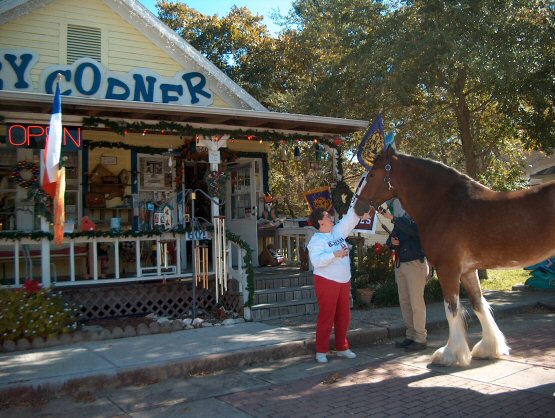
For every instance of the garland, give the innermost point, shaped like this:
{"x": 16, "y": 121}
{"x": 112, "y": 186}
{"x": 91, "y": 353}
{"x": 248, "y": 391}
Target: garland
{"x": 248, "y": 265}
{"x": 341, "y": 189}
{"x": 173, "y": 128}
{"x": 26, "y": 166}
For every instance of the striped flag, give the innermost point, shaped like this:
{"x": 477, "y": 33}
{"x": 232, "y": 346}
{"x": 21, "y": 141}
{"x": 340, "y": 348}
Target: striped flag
{"x": 53, "y": 147}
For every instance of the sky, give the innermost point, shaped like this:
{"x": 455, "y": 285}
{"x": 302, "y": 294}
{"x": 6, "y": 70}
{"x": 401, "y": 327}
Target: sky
{"x": 222, "y": 7}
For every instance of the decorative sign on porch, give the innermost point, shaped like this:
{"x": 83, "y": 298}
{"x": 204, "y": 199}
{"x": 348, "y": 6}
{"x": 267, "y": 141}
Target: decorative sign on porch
{"x": 319, "y": 198}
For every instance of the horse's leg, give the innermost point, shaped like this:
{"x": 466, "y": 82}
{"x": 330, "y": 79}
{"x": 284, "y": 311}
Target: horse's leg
{"x": 492, "y": 344}
{"x": 456, "y": 351}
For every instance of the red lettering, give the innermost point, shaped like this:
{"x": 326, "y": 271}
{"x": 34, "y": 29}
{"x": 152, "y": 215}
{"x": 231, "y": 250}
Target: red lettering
{"x": 13, "y": 138}
{"x": 67, "y": 133}
{"x": 36, "y": 131}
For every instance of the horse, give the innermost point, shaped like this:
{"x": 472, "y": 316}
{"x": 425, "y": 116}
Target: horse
{"x": 464, "y": 226}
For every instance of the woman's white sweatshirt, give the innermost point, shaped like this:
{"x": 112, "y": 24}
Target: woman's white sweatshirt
{"x": 322, "y": 245}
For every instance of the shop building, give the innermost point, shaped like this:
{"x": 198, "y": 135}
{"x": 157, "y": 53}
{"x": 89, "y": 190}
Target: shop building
{"x": 166, "y": 158}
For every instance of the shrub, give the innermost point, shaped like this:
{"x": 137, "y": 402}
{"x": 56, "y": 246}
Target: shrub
{"x": 377, "y": 267}
{"x": 34, "y": 312}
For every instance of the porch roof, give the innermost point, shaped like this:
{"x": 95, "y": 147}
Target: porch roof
{"x": 22, "y": 106}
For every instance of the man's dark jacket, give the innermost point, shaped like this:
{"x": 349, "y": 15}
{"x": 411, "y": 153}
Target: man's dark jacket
{"x": 405, "y": 229}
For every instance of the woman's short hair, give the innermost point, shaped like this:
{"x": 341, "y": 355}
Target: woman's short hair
{"x": 317, "y": 215}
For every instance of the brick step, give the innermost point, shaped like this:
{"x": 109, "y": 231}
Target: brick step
{"x": 266, "y": 311}
{"x": 285, "y": 294}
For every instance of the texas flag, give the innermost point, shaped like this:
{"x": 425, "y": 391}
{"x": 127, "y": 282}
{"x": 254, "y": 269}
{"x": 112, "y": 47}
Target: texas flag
{"x": 53, "y": 147}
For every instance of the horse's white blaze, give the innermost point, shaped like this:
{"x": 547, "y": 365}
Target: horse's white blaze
{"x": 492, "y": 344}
{"x": 456, "y": 352}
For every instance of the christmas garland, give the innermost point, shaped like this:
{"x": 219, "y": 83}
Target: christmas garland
{"x": 26, "y": 166}
{"x": 173, "y": 128}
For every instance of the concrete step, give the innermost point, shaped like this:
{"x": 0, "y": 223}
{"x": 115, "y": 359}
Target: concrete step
{"x": 266, "y": 311}
{"x": 282, "y": 281}
{"x": 284, "y": 294}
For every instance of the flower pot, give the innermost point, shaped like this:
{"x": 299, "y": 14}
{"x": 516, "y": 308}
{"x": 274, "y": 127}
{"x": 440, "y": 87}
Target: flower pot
{"x": 365, "y": 295}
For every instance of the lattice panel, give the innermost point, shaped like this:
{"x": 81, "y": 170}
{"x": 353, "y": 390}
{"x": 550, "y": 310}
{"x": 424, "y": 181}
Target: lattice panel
{"x": 170, "y": 299}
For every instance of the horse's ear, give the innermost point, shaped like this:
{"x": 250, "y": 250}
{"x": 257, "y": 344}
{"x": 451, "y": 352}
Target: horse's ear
{"x": 389, "y": 151}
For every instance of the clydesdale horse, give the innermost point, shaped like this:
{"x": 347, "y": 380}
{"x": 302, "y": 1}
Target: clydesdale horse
{"x": 464, "y": 226}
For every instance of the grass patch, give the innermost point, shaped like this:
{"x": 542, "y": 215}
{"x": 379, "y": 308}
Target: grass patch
{"x": 504, "y": 279}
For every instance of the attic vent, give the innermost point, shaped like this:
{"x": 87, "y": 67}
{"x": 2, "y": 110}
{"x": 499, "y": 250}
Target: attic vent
{"x": 83, "y": 41}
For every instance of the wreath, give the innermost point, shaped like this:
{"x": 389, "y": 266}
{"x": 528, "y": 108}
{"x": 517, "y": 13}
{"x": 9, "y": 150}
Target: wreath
{"x": 24, "y": 166}
{"x": 215, "y": 180}
{"x": 341, "y": 196}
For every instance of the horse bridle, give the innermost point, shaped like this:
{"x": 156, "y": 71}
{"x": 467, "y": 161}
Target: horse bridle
{"x": 386, "y": 183}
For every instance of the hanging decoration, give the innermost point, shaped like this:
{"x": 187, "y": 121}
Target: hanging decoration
{"x": 297, "y": 153}
{"x": 22, "y": 167}
{"x": 341, "y": 196}
{"x": 35, "y": 193}
{"x": 215, "y": 180}
{"x": 283, "y": 155}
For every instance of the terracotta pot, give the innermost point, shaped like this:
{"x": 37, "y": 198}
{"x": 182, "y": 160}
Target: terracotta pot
{"x": 365, "y": 295}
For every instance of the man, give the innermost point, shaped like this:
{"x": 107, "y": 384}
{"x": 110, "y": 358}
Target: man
{"x": 411, "y": 273}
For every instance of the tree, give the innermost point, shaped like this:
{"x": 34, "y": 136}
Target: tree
{"x": 469, "y": 83}
{"x": 238, "y": 43}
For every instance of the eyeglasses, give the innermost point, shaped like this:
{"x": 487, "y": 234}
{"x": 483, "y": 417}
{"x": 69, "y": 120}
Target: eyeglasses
{"x": 326, "y": 215}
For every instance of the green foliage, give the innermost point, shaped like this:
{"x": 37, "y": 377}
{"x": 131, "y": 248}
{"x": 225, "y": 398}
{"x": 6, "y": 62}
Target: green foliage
{"x": 377, "y": 267}
{"x": 34, "y": 312}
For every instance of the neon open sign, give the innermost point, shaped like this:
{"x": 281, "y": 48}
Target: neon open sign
{"x": 35, "y": 136}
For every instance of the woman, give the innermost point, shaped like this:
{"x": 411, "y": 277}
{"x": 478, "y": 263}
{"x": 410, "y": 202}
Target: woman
{"x": 329, "y": 254}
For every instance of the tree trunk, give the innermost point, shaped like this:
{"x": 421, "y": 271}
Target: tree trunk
{"x": 465, "y": 132}
{"x": 464, "y": 124}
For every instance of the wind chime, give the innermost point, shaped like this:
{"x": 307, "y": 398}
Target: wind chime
{"x": 220, "y": 249}
{"x": 201, "y": 258}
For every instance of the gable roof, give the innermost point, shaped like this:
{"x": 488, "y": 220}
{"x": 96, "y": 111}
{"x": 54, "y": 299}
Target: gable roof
{"x": 142, "y": 19}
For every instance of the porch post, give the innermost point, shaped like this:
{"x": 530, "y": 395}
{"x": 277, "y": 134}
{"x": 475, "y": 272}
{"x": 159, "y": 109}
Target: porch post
{"x": 44, "y": 242}
{"x": 45, "y": 260}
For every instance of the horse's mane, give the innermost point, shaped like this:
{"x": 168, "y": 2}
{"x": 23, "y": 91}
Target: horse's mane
{"x": 432, "y": 165}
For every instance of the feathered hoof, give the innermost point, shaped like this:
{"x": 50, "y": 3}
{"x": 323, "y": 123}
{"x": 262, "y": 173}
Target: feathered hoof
{"x": 444, "y": 356}
{"x": 492, "y": 350}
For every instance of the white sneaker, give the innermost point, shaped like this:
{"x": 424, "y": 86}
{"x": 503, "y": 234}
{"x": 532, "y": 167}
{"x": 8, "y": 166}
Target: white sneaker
{"x": 346, "y": 354}
{"x": 321, "y": 358}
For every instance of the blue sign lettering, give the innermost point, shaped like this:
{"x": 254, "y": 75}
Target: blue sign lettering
{"x": 86, "y": 77}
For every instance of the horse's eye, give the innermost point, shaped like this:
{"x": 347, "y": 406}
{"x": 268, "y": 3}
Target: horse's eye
{"x": 371, "y": 174}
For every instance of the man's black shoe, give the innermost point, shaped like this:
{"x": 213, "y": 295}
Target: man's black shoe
{"x": 416, "y": 346}
{"x": 405, "y": 343}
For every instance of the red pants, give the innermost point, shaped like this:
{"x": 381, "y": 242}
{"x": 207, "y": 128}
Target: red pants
{"x": 334, "y": 305}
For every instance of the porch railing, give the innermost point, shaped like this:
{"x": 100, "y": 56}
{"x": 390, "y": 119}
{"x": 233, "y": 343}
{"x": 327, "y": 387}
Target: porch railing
{"x": 292, "y": 239}
{"x": 80, "y": 260}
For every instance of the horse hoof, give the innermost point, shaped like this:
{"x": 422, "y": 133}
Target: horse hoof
{"x": 483, "y": 350}
{"x": 445, "y": 357}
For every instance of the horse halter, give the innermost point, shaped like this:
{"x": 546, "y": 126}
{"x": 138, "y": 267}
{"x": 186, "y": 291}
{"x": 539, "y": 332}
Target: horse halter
{"x": 386, "y": 183}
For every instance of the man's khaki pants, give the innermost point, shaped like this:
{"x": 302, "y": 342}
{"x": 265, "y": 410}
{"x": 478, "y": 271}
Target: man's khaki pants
{"x": 411, "y": 279}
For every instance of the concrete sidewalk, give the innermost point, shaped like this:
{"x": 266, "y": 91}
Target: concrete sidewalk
{"x": 84, "y": 367}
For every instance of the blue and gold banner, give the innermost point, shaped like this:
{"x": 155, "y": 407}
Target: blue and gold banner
{"x": 319, "y": 198}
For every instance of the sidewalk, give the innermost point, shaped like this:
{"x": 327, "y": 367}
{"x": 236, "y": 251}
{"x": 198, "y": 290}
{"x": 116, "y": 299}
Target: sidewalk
{"x": 81, "y": 368}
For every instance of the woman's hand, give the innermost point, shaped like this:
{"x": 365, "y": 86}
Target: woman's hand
{"x": 343, "y": 252}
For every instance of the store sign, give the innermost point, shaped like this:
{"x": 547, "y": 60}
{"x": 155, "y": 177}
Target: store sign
{"x": 34, "y": 136}
{"x": 86, "y": 77}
